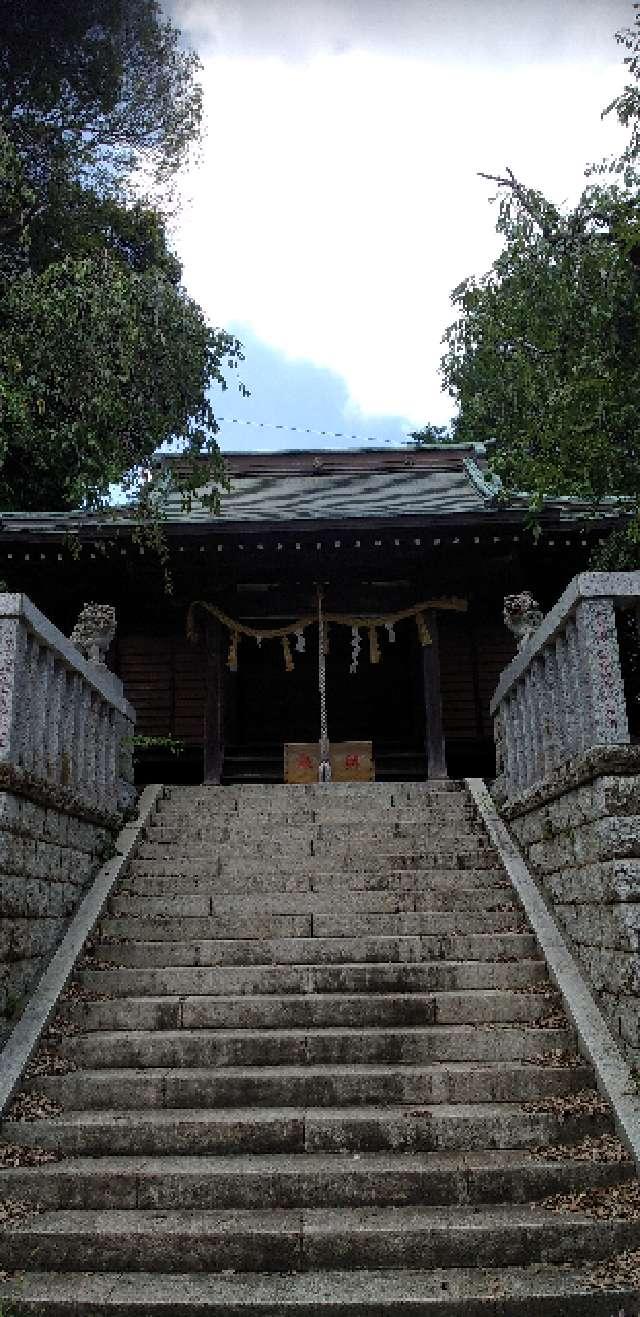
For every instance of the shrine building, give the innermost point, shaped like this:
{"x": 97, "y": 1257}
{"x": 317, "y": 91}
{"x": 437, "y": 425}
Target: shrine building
{"x": 407, "y": 552}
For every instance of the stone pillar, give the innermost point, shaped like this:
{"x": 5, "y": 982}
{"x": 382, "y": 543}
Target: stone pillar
{"x": 13, "y": 685}
{"x": 55, "y": 719}
{"x": 602, "y": 686}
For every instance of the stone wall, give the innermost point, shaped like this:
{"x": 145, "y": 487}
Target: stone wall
{"x": 47, "y": 859}
{"x": 580, "y": 832}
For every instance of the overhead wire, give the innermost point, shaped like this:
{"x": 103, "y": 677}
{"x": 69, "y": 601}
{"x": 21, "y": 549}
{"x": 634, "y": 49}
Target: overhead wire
{"x": 300, "y": 429}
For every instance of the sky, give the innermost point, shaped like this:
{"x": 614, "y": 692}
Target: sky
{"x": 336, "y": 202}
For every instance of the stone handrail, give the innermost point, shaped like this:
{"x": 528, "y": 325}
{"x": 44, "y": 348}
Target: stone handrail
{"x": 65, "y": 726}
{"x": 563, "y": 693}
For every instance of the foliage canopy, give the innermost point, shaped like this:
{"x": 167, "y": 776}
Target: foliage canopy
{"x": 543, "y": 357}
{"x": 103, "y": 356}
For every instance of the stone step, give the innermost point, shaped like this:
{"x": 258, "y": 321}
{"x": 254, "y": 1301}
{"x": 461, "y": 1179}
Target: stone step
{"x": 301, "y": 1010}
{"x": 352, "y": 796}
{"x": 185, "y": 875}
{"x": 318, "y": 838}
{"x": 292, "y": 800}
{"x": 302, "y": 1180}
{"x": 387, "y": 852}
{"x": 423, "y": 922}
{"x": 446, "y": 811}
{"x": 144, "y": 899}
{"x": 299, "y": 834}
{"x": 399, "y": 976}
{"x": 178, "y": 925}
{"x": 415, "y": 1045}
{"x": 383, "y": 818}
{"x": 382, "y": 821}
{"x": 322, "y": 1085}
{"x": 350, "y": 873}
{"x": 255, "y": 1047}
{"x": 282, "y": 1239}
{"x": 136, "y": 893}
{"x": 348, "y": 805}
{"x": 320, "y": 950}
{"x": 475, "y": 887}
{"x": 459, "y": 1128}
{"x": 540, "y": 1290}
{"x": 332, "y": 793}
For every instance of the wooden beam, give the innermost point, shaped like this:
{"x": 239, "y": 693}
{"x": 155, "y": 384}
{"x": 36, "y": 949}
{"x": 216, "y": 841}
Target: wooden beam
{"x": 434, "y": 735}
{"x": 214, "y": 702}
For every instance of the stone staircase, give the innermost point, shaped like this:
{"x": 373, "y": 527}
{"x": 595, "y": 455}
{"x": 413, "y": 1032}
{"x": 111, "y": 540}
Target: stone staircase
{"x": 312, "y": 1065}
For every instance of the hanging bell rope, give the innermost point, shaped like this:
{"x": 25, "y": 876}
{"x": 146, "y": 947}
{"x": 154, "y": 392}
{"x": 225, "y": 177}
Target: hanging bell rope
{"x": 288, "y": 656}
{"x": 324, "y": 764}
{"x": 423, "y": 630}
{"x": 232, "y": 660}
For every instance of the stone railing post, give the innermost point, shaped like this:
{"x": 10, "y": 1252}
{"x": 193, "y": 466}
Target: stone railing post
{"x": 603, "y": 703}
{"x": 13, "y": 680}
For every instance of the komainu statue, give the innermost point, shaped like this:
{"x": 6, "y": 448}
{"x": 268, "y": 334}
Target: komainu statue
{"x": 94, "y": 631}
{"x": 522, "y": 615}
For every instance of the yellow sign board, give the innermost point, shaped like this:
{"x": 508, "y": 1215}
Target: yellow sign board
{"x": 351, "y": 761}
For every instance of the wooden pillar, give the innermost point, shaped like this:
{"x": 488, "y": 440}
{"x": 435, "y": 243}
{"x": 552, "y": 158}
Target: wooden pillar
{"x": 434, "y": 735}
{"x": 230, "y": 685}
{"x": 214, "y": 702}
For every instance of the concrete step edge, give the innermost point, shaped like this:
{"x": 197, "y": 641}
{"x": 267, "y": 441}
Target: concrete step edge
{"x": 535, "y": 1291}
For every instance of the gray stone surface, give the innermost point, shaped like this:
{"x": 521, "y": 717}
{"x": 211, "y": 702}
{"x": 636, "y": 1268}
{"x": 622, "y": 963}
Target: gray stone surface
{"x": 531, "y": 1291}
{"x": 584, "y": 847}
{"x": 47, "y": 860}
{"x": 26, "y": 1034}
{"x": 608, "y": 968}
{"x": 342, "y": 1072}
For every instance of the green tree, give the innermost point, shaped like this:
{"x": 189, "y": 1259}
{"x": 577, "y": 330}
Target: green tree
{"x": 103, "y": 355}
{"x": 543, "y": 357}
{"x": 432, "y": 434}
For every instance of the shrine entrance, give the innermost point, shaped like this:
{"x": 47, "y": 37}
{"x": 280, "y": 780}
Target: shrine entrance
{"x": 382, "y": 703}
{"x": 382, "y": 688}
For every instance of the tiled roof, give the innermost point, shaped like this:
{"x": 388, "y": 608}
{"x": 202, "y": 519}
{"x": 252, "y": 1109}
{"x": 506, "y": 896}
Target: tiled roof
{"x": 362, "y": 484}
{"x": 370, "y": 484}
{"x": 324, "y": 497}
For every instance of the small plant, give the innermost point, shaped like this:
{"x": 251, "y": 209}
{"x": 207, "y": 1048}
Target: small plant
{"x": 170, "y": 743}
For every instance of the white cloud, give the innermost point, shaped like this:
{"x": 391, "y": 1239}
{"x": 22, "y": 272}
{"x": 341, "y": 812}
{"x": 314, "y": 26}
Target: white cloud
{"x": 338, "y": 201}
{"x": 489, "y": 31}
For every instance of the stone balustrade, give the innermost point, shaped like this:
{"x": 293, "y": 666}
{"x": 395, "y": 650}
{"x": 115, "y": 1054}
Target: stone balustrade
{"x": 66, "y": 784}
{"x": 569, "y": 784}
{"x": 563, "y": 694}
{"x": 65, "y": 726}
